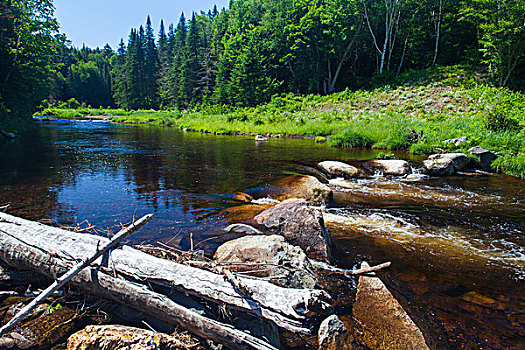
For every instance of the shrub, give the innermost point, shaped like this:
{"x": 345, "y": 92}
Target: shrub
{"x": 352, "y": 139}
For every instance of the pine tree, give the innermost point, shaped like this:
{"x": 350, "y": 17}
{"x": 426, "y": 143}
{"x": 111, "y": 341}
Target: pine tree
{"x": 151, "y": 65}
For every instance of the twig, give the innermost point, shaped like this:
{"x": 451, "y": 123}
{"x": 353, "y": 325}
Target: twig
{"x": 361, "y": 271}
{"x": 75, "y": 270}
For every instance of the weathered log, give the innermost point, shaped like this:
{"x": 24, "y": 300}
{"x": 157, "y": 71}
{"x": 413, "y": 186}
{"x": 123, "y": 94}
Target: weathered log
{"x": 119, "y": 237}
{"x": 52, "y": 251}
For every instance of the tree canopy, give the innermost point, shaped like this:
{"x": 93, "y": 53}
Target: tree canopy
{"x": 255, "y": 49}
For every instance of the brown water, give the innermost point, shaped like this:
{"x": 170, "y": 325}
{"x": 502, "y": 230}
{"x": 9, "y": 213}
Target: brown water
{"x": 457, "y": 244}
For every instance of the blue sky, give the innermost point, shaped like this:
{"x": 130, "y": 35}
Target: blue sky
{"x": 97, "y": 22}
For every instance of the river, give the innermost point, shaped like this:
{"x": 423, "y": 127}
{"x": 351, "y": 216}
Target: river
{"x": 457, "y": 245}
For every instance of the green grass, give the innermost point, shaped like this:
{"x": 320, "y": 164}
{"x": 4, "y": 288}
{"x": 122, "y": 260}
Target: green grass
{"x": 416, "y": 113}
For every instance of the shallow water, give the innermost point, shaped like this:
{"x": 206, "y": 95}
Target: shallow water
{"x": 457, "y": 244}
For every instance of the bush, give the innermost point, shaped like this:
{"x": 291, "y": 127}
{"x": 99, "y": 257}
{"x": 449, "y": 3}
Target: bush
{"x": 73, "y": 103}
{"x": 352, "y": 139}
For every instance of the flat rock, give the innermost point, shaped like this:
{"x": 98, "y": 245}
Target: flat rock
{"x": 120, "y": 338}
{"x": 338, "y": 169}
{"x": 288, "y": 265}
{"x": 439, "y": 167}
{"x": 385, "y": 324}
{"x": 333, "y": 335}
{"x": 459, "y": 160}
{"x": 301, "y": 225}
{"x": 389, "y": 166}
{"x": 305, "y": 187}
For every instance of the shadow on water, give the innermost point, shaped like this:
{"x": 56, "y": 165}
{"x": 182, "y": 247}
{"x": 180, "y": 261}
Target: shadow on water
{"x": 457, "y": 244}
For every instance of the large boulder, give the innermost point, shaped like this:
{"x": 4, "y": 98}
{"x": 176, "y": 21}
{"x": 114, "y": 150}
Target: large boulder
{"x": 301, "y": 225}
{"x": 333, "y": 335}
{"x": 305, "y": 187}
{"x": 385, "y": 324}
{"x": 439, "y": 167}
{"x": 485, "y": 157}
{"x": 338, "y": 169}
{"x": 122, "y": 338}
{"x": 389, "y": 166}
{"x": 459, "y": 160}
{"x": 288, "y": 266}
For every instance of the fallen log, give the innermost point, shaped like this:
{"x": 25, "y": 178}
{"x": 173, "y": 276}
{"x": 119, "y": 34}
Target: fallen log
{"x": 52, "y": 251}
{"x": 119, "y": 237}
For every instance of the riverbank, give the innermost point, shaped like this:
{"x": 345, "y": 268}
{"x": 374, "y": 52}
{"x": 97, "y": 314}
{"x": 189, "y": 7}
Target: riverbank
{"x": 419, "y": 114}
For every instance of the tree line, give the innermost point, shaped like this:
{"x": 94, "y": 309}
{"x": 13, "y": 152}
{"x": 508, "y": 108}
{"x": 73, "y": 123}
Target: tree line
{"x": 257, "y": 48}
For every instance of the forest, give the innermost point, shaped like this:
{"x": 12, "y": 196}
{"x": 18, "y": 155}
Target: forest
{"x": 255, "y": 49}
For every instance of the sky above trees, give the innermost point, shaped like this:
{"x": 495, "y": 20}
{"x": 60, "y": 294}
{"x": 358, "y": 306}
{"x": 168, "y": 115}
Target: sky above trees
{"x": 97, "y": 22}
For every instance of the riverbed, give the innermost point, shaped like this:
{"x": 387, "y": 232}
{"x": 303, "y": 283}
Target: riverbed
{"x": 457, "y": 244}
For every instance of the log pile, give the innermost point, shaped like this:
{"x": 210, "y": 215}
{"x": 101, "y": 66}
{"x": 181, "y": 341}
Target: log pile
{"x": 130, "y": 276}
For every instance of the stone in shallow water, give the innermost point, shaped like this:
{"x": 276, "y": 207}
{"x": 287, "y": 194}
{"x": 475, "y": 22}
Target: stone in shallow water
{"x": 390, "y": 166}
{"x": 338, "y": 169}
{"x": 385, "y": 324}
{"x": 305, "y": 187}
{"x": 459, "y": 160}
{"x": 301, "y": 225}
{"x": 439, "y": 167}
{"x": 287, "y": 264}
{"x": 333, "y": 335}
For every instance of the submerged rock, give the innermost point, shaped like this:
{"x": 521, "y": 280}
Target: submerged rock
{"x": 242, "y": 197}
{"x": 242, "y": 228}
{"x": 389, "y": 166}
{"x": 305, "y": 187}
{"x": 338, "y": 169}
{"x": 385, "y": 324}
{"x": 439, "y": 167}
{"x": 301, "y": 225}
{"x": 459, "y": 160}
{"x": 416, "y": 177}
{"x": 485, "y": 157}
{"x": 333, "y": 335}
{"x": 120, "y": 337}
{"x": 288, "y": 265}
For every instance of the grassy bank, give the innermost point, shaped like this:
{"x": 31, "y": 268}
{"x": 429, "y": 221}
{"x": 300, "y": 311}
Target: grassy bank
{"x": 417, "y": 114}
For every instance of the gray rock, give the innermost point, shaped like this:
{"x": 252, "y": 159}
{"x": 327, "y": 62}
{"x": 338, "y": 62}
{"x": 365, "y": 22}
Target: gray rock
{"x": 439, "y": 167}
{"x": 288, "y": 265}
{"x": 459, "y": 160}
{"x": 260, "y": 138}
{"x": 333, "y": 335}
{"x": 457, "y": 141}
{"x": 485, "y": 157}
{"x": 390, "y": 166}
{"x": 338, "y": 169}
{"x": 305, "y": 187}
{"x": 301, "y": 225}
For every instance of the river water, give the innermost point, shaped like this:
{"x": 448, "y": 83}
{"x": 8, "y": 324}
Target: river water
{"x": 457, "y": 245}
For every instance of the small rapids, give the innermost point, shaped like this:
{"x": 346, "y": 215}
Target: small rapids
{"x": 450, "y": 242}
{"x": 384, "y": 189}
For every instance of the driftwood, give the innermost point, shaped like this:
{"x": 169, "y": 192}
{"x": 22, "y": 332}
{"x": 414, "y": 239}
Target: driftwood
{"x": 360, "y": 271}
{"x": 119, "y": 237}
{"x": 53, "y": 251}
